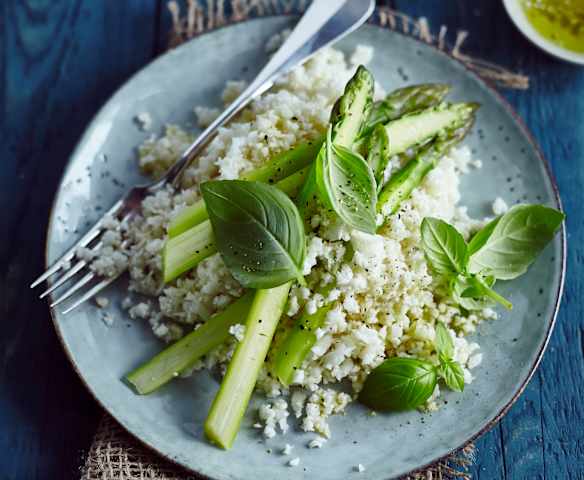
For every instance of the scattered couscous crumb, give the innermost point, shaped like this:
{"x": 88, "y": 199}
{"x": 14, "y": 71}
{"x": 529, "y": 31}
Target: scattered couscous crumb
{"x": 287, "y": 450}
{"x": 102, "y": 302}
{"x": 317, "y": 442}
{"x": 360, "y": 468}
{"x": 144, "y": 121}
{"x": 362, "y": 55}
{"x": 294, "y": 462}
{"x": 107, "y": 319}
{"x": 500, "y": 206}
{"x": 238, "y": 331}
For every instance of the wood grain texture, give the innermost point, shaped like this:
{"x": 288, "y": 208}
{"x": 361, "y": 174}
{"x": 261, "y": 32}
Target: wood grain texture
{"x": 60, "y": 61}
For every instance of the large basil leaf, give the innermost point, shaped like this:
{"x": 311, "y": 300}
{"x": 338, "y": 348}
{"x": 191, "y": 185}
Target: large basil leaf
{"x": 444, "y": 247}
{"x": 515, "y": 241}
{"x": 347, "y": 185}
{"x": 258, "y": 232}
{"x": 399, "y": 384}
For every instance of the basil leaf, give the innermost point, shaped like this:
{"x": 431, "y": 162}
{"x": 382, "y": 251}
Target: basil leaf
{"x": 378, "y": 155}
{"x": 515, "y": 241}
{"x": 482, "y": 236}
{"x": 444, "y": 247}
{"x": 474, "y": 292}
{"x": 452, "y": 374}
{"x": 444, "y": 344}
{"x": 257, "y": 230}
{"x": 346, "y": 184}
{"x": 399, "y": 384}
{"x": 465, "y": 294}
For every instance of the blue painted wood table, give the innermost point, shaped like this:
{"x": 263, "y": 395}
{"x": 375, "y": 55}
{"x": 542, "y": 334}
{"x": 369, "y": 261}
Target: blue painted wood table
{"x": 60, "y": 61}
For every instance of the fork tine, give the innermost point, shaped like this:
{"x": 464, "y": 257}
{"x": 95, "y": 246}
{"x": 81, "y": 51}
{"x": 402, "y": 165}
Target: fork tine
{"x": 86, "y": 278}
{"x": 91, "y": 292}
{"x": 70, "y": 273}
{"x": 83, "y": 242}
{"x": 68, "y": 256}
{"x": 76, "y": 268}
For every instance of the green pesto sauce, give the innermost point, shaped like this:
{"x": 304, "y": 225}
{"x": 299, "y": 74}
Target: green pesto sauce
{"x": 561, "y": 21}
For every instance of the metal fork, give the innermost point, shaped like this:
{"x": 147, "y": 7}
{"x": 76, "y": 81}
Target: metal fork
{"x": 325, "y": 22}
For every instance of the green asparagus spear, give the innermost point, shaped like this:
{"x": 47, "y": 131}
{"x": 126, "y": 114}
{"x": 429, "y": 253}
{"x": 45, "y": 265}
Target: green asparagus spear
{"x": 352, "y": 109}
{"x": 277, "y": 169}
{"x": 403, "y": 101}
{"x": 237, "y": 386}
{"x": 182, "y": 355}
{"x": 300, "y": 338}
{"x": 297, "y": 343}
{"x": 417, "y": 128}
{"x": 378, "y": 156}
{"x": 402, "y": 183}
{"x": 188, "y": 249}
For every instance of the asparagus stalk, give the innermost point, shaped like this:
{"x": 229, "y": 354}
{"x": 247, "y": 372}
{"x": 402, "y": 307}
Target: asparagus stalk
{"x": 378, "y": 156}
{"x": 352, "y": 109}
{"x": 403, "y": 101}
{"x": 301, "y": 337}
{"x": 419, "y": 127}
{"x": 280, "y": 167}
{"x": 186, "y": 250}
{"x": 235, "y": 392}
{"x": 403, "y": 182}
{"x": 183, "y": 355}
{"x": 297, "y": 344}
{"x": 400, "y": 135}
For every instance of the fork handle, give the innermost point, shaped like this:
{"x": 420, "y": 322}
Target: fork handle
{"x": 325, "y": 22}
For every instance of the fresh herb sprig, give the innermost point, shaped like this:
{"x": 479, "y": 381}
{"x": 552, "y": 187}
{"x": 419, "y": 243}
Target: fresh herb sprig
{"x": 401, "y": 383}
{"x": 449, "y": 370}
{"x": 502, "y": 250}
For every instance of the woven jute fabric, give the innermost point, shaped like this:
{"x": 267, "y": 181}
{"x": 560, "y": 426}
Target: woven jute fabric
{"x": 115, "y": 454}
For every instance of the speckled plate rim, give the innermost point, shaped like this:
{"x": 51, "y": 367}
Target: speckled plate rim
{"x": 524, "y": 130}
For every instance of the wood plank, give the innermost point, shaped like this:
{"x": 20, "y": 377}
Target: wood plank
{"x": 60, "y": 61}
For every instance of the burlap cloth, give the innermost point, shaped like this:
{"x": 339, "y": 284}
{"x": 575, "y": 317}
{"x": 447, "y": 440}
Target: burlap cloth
{"x": 116, "y": 455}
